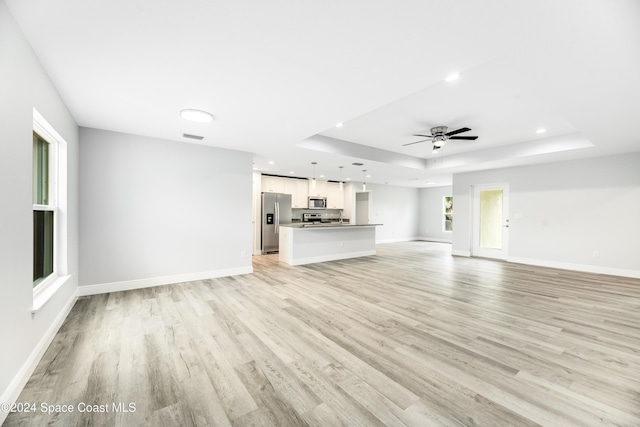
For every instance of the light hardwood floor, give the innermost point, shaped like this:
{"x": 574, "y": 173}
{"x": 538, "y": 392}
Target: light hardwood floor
{"x": 411, "y": 336}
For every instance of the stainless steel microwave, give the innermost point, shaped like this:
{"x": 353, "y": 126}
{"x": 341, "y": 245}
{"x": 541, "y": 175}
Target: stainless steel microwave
{"x": 317, "y": 202}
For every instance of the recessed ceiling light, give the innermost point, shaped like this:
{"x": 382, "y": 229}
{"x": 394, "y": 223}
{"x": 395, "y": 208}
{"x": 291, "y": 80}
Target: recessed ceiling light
{"x": 271, "y": 162}
{"x": 452, "y": 77}
{"x": 348, "y": 179}
{"x": 541, "y": 130}
{"x": 321, "y": 176}
{"x": 339, "y": 125}
{"x": 198, "y": 116}
{"x": 291, "y": 172}
{"x": 368, "y": 176}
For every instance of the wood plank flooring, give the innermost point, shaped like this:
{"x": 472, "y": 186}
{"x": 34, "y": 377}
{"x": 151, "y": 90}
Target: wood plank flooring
{"x": 409, "y": 337}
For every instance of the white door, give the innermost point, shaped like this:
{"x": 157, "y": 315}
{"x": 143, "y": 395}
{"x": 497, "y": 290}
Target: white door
{"x": 491, "y": 221}
{"x": 362, "y": 207}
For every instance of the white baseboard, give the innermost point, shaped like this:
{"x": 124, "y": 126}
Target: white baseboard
{"x": 456, "y": 252}
{"x": 577, "y": 267}
{"x": 433, "y": 239}
{"x": 333, "y": 257}
{"x": 12, "y": 392}
{"x": 397, "y": 240}
{"x": 104, "y": 288}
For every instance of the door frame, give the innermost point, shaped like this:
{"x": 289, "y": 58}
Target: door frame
{"x": 355, "y": 205}
{"x": 476, "y": 250}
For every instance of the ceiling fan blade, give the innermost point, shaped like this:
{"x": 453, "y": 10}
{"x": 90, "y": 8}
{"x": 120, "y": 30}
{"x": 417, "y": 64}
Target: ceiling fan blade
{"x": 468, "y": 138}
{"x": 424, "y": 136}
{"x": 453, "y": 132}
{"x": 411, "y": 143}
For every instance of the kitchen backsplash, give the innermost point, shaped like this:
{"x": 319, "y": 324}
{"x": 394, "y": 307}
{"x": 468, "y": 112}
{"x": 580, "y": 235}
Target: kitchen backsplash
{"x": 296, "y": 214}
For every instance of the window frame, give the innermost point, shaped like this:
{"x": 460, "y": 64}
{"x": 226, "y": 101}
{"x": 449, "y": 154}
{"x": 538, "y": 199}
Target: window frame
{"x": 57, "y": 203}
{"x": 52, "y": 200}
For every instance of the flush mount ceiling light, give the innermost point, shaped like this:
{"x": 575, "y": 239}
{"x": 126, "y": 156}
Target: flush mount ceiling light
{"x": 541, "y": 130}
{"x": 197, "y": 116}
{"x": 452, "y": 77}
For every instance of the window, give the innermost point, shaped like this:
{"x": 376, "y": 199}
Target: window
{"x": 447, "y": 210}
{"x": 43, "y": 208}
{"x": 49, "y": 193}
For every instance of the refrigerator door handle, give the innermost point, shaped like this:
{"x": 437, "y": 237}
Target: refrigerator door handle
{"x": 277, "y": 209}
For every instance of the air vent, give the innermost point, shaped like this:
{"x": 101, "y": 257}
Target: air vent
{"x": 357, "y": 164}
{"x": 198, "y": 137}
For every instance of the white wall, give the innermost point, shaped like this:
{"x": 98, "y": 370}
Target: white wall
{"x": 397, "y": 209}
{"x": 561, "y": 212}
{"x": 431, "y": 215}
{"x": 157, "y": 211}
{"x": 23, "y": 86}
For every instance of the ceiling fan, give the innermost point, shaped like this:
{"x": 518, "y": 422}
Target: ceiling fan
{"x": 439, "y": 136}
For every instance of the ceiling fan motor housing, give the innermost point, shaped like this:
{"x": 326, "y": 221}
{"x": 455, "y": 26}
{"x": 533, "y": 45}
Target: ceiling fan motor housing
{"x": 439, "y": 130}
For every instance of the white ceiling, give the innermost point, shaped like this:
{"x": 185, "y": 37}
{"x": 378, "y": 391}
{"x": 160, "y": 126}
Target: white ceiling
{"x": 279, "y": 74}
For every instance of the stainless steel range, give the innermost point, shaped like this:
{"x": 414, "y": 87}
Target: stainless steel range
{"x": 311, "y": 217}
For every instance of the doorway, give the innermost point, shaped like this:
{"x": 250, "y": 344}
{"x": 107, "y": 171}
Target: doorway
{"x": 491, "y": 221}
{"x": 362, "y": 207}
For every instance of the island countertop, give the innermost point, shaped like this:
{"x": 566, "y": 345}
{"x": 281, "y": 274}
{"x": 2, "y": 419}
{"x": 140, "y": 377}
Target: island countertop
{"x": 326, "y": 225}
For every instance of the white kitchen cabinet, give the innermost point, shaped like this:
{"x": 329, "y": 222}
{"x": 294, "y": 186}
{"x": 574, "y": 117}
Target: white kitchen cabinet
{"x": 299, "y": 190}
{"x": 320, "y": 190}
{"x": 335, "y": 197}
{"x": 272, "y": 184}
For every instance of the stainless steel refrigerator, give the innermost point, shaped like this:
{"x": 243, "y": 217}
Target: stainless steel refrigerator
{"x": 276, "y": 210}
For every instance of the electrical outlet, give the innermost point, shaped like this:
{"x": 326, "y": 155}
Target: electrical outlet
{"x": 596, "y": 254}
{"x": 242, "y": 254}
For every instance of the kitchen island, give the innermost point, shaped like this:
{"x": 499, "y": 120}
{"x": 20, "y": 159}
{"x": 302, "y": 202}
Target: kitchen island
{"x": 306, "y": 243}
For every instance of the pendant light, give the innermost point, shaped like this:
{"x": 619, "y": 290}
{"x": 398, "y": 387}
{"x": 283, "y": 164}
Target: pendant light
{"x": 364, "y": 177}
{"x": 313, "y": 181}
{"x": 341, "y": 183}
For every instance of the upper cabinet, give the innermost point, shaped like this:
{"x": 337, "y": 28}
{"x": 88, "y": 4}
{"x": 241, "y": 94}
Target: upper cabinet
{"x": 320, "y": 188}
{"x": 272, "y": 184}
{"x": 335, "y": 196}
{"x": 299, "y": 190}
